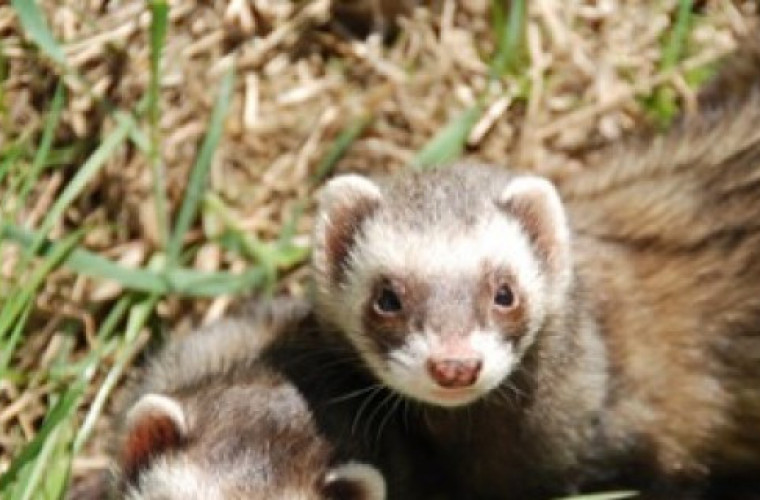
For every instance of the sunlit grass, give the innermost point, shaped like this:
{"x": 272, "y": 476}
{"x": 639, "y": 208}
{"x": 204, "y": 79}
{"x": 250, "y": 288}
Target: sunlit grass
{"x": 42, "y": 468}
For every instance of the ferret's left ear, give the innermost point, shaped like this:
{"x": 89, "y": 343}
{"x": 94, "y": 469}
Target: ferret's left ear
{"x": 354, "y": 481}
{"x": 535, "y": 203}
{"x": 155, "y": 425}
{"x": 344, "y": 203}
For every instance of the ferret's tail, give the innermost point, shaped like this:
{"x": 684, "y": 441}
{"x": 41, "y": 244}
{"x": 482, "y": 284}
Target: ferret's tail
{"x": 700, "y": 180}
{"x": 739, "y": 75}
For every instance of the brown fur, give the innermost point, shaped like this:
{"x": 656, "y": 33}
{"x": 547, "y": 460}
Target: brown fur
{"x": 268, "y": 415}
{"x": 669, "y": 231}
{"x": 648, "y": 376}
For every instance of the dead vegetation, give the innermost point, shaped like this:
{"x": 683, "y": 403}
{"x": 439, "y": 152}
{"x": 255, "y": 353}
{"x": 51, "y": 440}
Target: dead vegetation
{"x": 320, "y": 86}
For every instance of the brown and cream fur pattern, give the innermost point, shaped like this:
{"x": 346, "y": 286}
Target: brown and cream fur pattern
{"x": 606, "y": 332}
{"x": 244, "y": 408}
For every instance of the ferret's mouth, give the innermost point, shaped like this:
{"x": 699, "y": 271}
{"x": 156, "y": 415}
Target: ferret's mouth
{"x": 454, "y": 396}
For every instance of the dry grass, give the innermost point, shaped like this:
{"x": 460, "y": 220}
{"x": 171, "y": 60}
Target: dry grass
{"x": 587, "y": 73}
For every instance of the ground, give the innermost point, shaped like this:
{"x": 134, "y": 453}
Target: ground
{"x": 157, "y": 161}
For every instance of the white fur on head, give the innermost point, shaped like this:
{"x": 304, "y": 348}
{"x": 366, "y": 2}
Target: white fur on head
{"x": 175, "y": 478}
{"x": 342, "y": 204}
{"x": 455, "y": 255}
{"x": 534, "y": 201}
{"x": 367, "y": 478}
{"x": 151, "y": 405}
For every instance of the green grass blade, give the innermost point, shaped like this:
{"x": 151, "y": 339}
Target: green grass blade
{"x": 138, "y": 315}
{"x": 115, "y": 315}
{"x": 339, "y": 147}
{"x": 193, "y": 283}
{"x": 159, "y": 15}
{"x": 183, "y": 281}
{"x": 510, "y": 31}
{"x": 9, "y": 347}
{"x": 10, "y": 155}
{"x": 14, "y": 307}
{"x": 36, "y": 28}
{"x": 673, "y": 50}
{"x": 55, "y": 417}
{"x": 56, "y": 475}
{"x": 43, "y": 150}
{"x": 87, "y": 171}
{"x": 449, "y": 142}
{"x": 34, "y": 455}
{"x": 40, "y": 467}
{"x": 65, "y": 155}
{"x": 4, "y": 71}
{"x": 664, "y": 101}
{"x": 199, "y": 173}
{"x": 89, "y": 264}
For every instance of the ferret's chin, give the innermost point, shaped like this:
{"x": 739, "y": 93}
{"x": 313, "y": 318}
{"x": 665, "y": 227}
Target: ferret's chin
{"x": 420, "y": 388}
{"x": 440, "y": 396}
{"x": 406, "y": 374}
{"x": 445, "y": 397}
{"x": 452, "y": 398}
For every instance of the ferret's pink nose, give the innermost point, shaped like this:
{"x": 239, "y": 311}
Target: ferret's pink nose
{"x": 454, "y": 372}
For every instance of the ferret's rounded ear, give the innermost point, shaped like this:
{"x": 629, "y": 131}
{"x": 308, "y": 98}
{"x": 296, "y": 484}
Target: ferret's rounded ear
{"x": 155, "y": 425}
{"x": 344, "y": 203}
{"x": 535, "y": 203}
{"x": 354, "y": 481}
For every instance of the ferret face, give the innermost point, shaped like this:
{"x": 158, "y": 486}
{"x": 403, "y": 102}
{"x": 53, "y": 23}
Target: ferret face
{"x": 441, "y": 292}
{"x": 224, "y": 448}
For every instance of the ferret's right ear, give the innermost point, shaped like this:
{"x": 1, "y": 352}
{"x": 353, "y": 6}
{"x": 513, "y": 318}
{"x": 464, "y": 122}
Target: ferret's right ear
{"x": 344, "y": 203}
{"x": 535, "y": 203}
{"x": 155, "y": 425}
{"x": 354, "y": 481}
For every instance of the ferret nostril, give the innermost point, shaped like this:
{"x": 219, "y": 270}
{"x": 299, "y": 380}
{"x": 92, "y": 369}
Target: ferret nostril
{"x": 469, "y": 371}
{"x": 454, "y": 373}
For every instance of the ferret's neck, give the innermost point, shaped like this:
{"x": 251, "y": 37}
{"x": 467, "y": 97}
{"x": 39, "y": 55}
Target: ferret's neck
{"x": 567, "y": 364}
{"x": 547, "y": 413}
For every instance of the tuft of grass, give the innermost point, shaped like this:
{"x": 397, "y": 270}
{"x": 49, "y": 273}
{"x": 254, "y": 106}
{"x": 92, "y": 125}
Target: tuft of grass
{"x": 42, "y": 466}
{"x": 508, "y": 60}
{"x": 15, "y": 304}
{"x": 269, "y": 257}
{"x": 83, "y": 176}
{"x": 177, "y": 280}
{"x": 663, "y": 103}
{"x": 35, "y": 26}
{"x": 46, "y": 142}
{"x": 189, "y": 208}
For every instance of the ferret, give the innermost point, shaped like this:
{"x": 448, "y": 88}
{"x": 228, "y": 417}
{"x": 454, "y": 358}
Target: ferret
{"x": 241, "y": 410}
{"x": 600, "y": 332}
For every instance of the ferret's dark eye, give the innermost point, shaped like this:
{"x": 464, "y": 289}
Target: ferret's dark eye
{"x": 504, "y": 296}
{"x": 387, "y": 301}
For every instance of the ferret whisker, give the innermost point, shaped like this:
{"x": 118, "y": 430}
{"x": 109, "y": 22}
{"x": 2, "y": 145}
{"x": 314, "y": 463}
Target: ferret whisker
{"x": 367, "y": 400}
{"x": 397, "y": 400}
{"x": 302, "y": 358}
{"x": 379, "y": 407}
{"x": 354, "y": 394}
{"x": 505, "y": 397}
{"x": 405, "y": 412}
